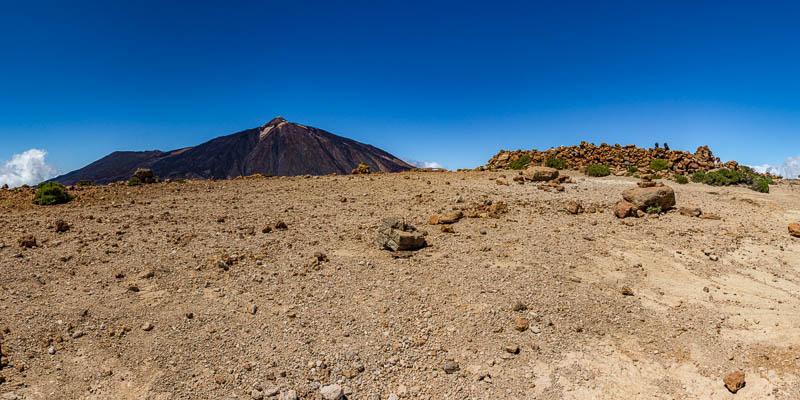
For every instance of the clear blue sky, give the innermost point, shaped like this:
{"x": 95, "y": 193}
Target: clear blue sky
{"x": 451, "y": 82}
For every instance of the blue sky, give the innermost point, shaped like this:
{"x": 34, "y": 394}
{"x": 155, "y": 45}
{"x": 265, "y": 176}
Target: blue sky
{"x": 452, "y": 82}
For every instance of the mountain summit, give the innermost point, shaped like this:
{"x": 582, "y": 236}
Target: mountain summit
{"x": 277, "y": 148}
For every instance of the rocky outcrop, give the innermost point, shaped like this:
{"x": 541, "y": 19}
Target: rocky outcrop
{"x": 616, "y": 157}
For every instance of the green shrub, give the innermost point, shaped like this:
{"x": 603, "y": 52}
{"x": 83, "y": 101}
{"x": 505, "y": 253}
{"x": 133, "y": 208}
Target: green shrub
{"x": 724, "y": 177}
{"x": 521, "y": 162}
{"x": 682, "y": 180}
{"x": 653, "y": 210}
{"x": 84, "y": 182}
{"x": 134, "y": 181}
{"x": 181, "y": 181}
{"x": 743, "y": 176}
{"x": 49, "y": 193}
{"x": 659, "y": 164}
{"x": 598, "y": 170}
{"x": 555, "y": 162}
{"x": 656, "y": 176}
{"x": 632, "y": 170}
{"x": 699, "y": 177}
{"x": 761, "y": 185}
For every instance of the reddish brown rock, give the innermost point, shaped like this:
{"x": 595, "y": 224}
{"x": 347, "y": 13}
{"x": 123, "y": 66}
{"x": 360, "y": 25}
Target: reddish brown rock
{"x": 642, "y": 198}
{"x": 734, "y": 381}
{"x": 794, "y": 229}
{"x": 361, "y": 169}
{"x": 61, "y": 226}
{"x": 574, "y": 207}
{"x": 446, "y": 219}
{"x": 521, "y": 324}
{"x": 540, "y": 174}
{"x": 691, "y": 211}
{"x": 624, "y": 209}
{"x": 27, "y": 241}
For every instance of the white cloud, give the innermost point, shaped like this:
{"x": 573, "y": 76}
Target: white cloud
{"x": 28, "y": 168}
{"x": 790, "y": 168}
{"x": 423, "y": 164}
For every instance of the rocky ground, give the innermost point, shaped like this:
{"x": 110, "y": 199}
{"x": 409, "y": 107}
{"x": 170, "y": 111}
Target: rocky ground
{"x": 274, "y": 288}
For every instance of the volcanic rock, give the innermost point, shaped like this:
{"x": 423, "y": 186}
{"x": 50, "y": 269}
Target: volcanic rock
{"x": 624, "y": 209}
{"x": 540, "y": 174}
{"x": 361, "y": 169}
{"x": 397, "y": 235}
{"x": 642, "y": 198}
{"x": 447, "y": 219}
{"x": 574, "y": 207}
{"x": 794, "y": 229}
{"x": 691, "y": 211}
{"x": 734, "y": 381}
{"x": 332, "y": 392}
{"x": 61, "y": 226}
{"x": 145, "y": 175}
{"x": 27, "y": 241}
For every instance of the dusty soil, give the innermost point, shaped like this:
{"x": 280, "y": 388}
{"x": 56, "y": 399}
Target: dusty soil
{"x": 173, "y": 291}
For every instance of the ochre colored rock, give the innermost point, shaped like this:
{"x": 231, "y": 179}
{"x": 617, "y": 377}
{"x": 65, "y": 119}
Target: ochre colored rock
{"x": 642, "y": 198}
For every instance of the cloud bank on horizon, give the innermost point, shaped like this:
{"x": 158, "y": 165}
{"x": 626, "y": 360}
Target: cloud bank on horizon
{"x": 28, "y": 168}
{"x": 423, "y": 164}
{"x": 790, "y": 168}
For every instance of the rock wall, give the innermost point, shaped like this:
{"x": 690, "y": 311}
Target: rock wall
{"x": 616, "y": 157}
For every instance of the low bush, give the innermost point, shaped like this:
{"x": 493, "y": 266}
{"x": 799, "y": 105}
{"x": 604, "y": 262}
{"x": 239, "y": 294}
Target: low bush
{"x": 135, "y": 181}
{"x": 653, "y": 210}
{"x": 598, "y": 170}
{"x": 699, "y": 177}
{"x": 742, "y": 176}
{"x": 632, "y": 170}
{"x": 682, "y": 180}
{"x": 521, "y": 162}
{"x": 84, "y": 182}
{"x": 659, "y": 164}
{"x": 50, "y": 193}
{"x": 555, "y": 162}
{"x": 761, "y": 185}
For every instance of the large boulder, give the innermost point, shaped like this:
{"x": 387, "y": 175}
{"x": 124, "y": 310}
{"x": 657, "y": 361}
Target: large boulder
{"x": 642, "y": 198}
{"x": 145, "y": 175}
{"x": 540, "y": 174}
{"x": 397, "y": 235}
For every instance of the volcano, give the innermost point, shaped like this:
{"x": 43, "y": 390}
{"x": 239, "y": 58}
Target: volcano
{"x": 279, "y": 148}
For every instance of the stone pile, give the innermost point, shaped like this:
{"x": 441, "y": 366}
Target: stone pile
{"x": 616, "y": 157}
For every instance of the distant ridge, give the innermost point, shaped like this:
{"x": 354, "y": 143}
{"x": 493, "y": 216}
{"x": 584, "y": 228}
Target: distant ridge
{"x": 276, "y": 148}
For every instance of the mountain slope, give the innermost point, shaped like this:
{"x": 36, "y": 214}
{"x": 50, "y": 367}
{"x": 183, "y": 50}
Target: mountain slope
{"x": 276, "y": 148}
